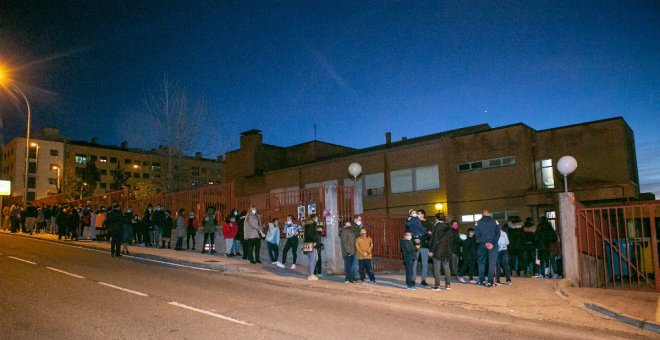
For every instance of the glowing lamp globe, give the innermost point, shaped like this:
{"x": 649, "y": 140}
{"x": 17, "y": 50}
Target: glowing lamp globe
{"x": 566, "y": 165}
{"x": 355, "y": 169}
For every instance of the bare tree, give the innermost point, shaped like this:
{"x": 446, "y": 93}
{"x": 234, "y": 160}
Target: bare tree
{"x": 178, "y": 126}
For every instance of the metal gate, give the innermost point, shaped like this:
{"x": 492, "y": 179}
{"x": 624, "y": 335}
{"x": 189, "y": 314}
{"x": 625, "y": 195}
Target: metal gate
{"x": 618, "y": 246}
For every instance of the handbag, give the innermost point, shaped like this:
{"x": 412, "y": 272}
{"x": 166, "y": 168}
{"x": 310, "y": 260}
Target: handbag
{"x": 308, "y": 247}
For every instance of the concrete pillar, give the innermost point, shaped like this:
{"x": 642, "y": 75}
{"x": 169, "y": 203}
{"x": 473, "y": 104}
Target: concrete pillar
{"x": 569, "y": 241}
{"x": 332, "y": 260}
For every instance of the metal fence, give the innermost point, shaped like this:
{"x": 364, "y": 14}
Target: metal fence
{"x": 386, "y": 232}
{"x": 618, "y": 246}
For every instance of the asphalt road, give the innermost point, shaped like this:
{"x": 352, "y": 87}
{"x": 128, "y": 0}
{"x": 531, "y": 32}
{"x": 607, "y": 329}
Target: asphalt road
{"x": 56, "y": 291}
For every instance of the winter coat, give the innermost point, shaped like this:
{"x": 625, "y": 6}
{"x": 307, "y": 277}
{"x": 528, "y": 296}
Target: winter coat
{"x": 425, "y": 240}
{"x": 408, "y": 250}
{"x": 503, "y": 242}
{"x": 229, "y": 230}
{"x": 273, "y": 234}
{"x": 470, "y": 247}
{"x": 347, "y": 237}
{"x": 240, "y": 236}
{"x": 516, "y": 236}
{"x": 311, "y": 235}
{"x": 441, "y": 242}
{"x": 364, "y": 247}
{"x": 167, "y": 226}
{"x": 252, "y": 228}
{"x": 192, "y": 224}
{"x": 414, "y": 225}
{"x": 545, "y": 235}
{"x": 209, "y": 224}
{"x": 114, "y": 221}
{"x": 180, "y": 230}
{"x": 158, "y": 218}
{"x": 487, "y": 231}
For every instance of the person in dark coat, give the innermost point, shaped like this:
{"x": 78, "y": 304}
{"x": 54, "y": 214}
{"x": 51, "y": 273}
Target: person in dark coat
{"x": 62, "y": 221}
{"x": 241, "y": 233}
{"x": 127, "y": 233}
{"x": 516, "y": 244}
{"x": 545, "y": 237}
{"x": 114, "y": 223}
{"x": 440, "y": 249}
{"x": 73, "y": 223}
{"x": 409, "y": 252}
{"x": 347, "y": 238}
{"x": 469, "y": 266}
{"x": 167, "y": 226}
{"x": 488, "y": 234}
{"x": 148, "y": 226}
{"x": 529, "y": 247}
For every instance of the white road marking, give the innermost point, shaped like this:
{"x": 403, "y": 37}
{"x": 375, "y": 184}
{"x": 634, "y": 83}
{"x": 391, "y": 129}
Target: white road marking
{"x": 65, "y": 273}
{"x": 19, "y": 259}
{"x": 122, "y": 289}
{"x": 171, "y": 263}
{"x": 215, "y": 315}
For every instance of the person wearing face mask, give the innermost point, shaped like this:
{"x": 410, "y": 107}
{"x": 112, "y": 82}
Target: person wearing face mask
{"x": 291, "y": 231}
{"x": 229, "y": 231}
{"x": 128, "y": 231}
{"x": 409, "y": 251}
{"x": 168, "y": 224}
{"x": 191, "y": 229}
{"x": 209, "y": 226}
{"x": 273, "y": 242}
{"x": 364, "y": 246}
{"x": 114, "y": 222}
{"x": 253, "y": 234}
{"x": 148, "y": 226}
{"x": 158, "y": 220}
{"x": 312, "y": 236}
{"x": 347, "y": 238}
{"x": 238, "y": 239}
{"x": 180, "y": 230}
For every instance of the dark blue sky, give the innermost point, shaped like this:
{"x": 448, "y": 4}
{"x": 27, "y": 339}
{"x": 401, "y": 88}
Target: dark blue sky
{"x": 357, "y": 69}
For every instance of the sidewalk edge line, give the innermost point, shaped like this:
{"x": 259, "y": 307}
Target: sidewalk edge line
{"x": 649, "y": 326}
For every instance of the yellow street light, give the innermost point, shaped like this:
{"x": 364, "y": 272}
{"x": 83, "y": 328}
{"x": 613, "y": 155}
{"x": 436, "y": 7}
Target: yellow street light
{"x": 438, "y": 206}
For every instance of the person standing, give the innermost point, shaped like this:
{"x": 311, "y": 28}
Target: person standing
{"x": 347, "y": 238}
{"x": 253, "y": 235}
{"x": 241, "y": 233}
{"x": 86, "y": 223}
{"x": 441, "y": 244}
{"x": 191, "y": 230}
{"x": 545, "y": 237}
{"x": 529, "y": 252}
{"x": 229, "y": 231}
{"x": 73, "y": 223}
{"x": 31, "y": 214}
{"x": 180, "y": 231}
{"x": 127, "y": 232}
{"x": 488, "y": 234}
{"x": 409, "y": 252}
{"x": 209, "y": 227}
{"x": 114, "y": 224}
{"x": 469, "y": 258}
{"x": 291, "y": 232}
{"x": 167, "y": 226}
{"x": 312, "y": 237}
{"x": 273, "y": 242}
{"x": 158, "y": 220}
{"x": 318, "y": 269}
{"x": 364, "y": 246}
{"x": 502, "y": 258}
{"x": 62, "y": 221}
{"x": 148, "y": 226}
{"x": 424, "y": 246}
{"x": 515, "y": 249}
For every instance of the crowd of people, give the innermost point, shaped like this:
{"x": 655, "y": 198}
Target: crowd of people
{"x": 486, "y": 253}
{"x": 489, "y": 251}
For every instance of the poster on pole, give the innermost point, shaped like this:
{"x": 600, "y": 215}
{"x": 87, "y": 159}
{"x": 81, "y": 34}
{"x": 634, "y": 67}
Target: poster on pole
{"x": 301, "y": 213}
{"x": 311, "y": 209}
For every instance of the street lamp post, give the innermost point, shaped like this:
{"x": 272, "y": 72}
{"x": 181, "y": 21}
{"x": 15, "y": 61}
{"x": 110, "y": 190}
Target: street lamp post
{"x": 81, "y": 189}
{"x": 57, "y": 168}
{"x": 566, "y": 166}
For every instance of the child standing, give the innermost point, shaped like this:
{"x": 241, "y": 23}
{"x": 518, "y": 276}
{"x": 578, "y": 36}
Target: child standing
{"x": 364, "y": 246}
{"x": 469, "y": 266}
{"x": 409, "y": 251}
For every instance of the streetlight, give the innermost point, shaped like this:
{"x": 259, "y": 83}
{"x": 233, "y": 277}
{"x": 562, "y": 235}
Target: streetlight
{"x": 57, "y": 168}
{"x": 566, "y": 166}
{"x": 4, "y": 80}
{"x": 81, "y": 189}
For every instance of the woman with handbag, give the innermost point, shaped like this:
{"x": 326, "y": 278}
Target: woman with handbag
{"x": 310, "y": 241}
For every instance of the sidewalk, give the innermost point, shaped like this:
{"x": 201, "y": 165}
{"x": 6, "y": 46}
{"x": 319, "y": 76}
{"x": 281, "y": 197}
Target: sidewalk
{"x": 526, "y": 298}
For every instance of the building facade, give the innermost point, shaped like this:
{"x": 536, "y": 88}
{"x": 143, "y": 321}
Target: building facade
{"x": 509, "y": 170}
{"x": 57, "y": 163}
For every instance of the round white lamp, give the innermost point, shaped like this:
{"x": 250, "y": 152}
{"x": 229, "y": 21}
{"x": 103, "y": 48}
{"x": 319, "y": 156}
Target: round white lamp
{"x": 566, "y": 166}
{"x": 355, "y": 169}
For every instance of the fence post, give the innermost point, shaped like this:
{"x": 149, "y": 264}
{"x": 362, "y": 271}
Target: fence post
{"x": 569, "y": 242}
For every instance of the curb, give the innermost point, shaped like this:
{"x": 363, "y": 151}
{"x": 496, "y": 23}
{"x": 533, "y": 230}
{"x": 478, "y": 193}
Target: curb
{"x": 646, "y": 325}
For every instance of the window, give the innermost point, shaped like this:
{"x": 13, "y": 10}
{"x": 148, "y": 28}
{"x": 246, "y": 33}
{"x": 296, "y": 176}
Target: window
{"x": 113, "y": 159}
{"x": 127, "y": 174}
{"x": 157, "y": 176}
{"x": 203, "y": 170}
{"x": 32, "y": 152}
{"x": 103, "y": 159}
{"x": 54, "y": 152}
{"x": 145, "y": 176}
{"x": 545, "y": 174}
{"x": 52, "y": 181}
{"x": 504, "y": 215}
{"x": 32, "y": 182}
{"x": 552, "y": 218}
{"x": 31, "y": 196}
{"x": 401, "y": 181}
{"x": 155, "y": 166}
{"x": 374, "y": 184}
{"x": 103, "y": 185}
{"x": 103, "y": 172}
{"x": 195, "y": 171}
{"x": 32, "y": 167}
{"x": 416, "y": 179}
{"x": 145, "y": 163}
{"x": 470, "y": 218}
{"x": 81, "y": 159}
{"x": 127, "y": 161}
{"x": 488, "y": 163}
{"x": 136, "y": 175}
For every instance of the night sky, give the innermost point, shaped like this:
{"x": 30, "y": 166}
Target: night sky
{"x": 356, "y": 69}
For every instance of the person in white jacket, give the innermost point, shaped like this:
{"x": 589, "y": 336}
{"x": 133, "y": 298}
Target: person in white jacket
{"x": 503, "y": 258}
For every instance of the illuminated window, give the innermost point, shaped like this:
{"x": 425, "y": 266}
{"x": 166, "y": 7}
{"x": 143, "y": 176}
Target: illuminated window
{"x": 103, "y": 159}
{"x": 545, "y": 174}
{"x": 155, "y": 166}
{"x": 81, "y": 159}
